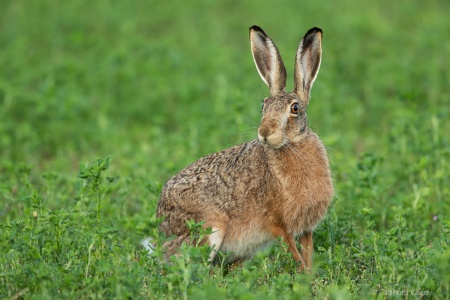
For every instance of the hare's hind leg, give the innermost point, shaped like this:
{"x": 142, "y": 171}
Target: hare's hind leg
{"x": 307, "y": 251}
{"x": 171, "y": 247}
{"x": 215, "y": 240}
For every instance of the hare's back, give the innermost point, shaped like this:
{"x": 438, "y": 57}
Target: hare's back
{"x": 220, "y": 183}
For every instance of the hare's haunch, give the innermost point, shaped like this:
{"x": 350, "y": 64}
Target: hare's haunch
{"x": 276, "y": 186}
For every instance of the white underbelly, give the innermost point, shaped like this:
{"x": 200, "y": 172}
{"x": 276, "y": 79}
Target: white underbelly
{"x": 243, "y": 243}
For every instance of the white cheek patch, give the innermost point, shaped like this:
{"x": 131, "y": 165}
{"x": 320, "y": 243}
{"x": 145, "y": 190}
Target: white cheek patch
{"x": 283, "y": 127}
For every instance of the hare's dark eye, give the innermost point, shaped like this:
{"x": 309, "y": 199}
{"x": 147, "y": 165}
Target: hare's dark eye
{"x": 262, "y": 106}
{"x": 294, "y": 108}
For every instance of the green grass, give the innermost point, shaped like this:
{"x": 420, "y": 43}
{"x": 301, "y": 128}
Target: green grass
{"x": 156, "y": 85}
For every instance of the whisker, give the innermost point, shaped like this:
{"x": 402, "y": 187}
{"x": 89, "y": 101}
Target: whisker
{"x": 249, "y": 129}
{"x": 250, "y": 120}
{"x": 245, "y": 139}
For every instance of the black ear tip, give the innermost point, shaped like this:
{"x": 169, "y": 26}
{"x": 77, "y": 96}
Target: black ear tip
{"x": 313, "y": 31}
{"x": 256, "y": 28}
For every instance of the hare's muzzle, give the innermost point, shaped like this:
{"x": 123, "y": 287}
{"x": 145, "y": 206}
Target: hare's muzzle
{"x": 269, "y": 134}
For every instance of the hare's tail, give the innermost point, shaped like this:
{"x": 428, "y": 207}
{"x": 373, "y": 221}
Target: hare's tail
{"x": 148, "y": 245}
{"x": 170, "y": 246}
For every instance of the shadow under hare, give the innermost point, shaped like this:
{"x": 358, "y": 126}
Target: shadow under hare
{"x": 276, "y": 186}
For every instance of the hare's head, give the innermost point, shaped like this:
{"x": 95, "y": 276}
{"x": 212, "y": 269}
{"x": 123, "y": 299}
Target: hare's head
{"x": 284, "y": 114}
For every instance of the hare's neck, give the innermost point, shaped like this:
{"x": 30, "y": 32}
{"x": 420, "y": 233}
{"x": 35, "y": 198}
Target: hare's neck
{"x": 297, "y": 157}
{"x": 300, "y": 165}
{"x": 302, "y": 181}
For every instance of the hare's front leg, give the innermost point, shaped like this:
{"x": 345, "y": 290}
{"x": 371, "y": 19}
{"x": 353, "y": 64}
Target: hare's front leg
{"x": 289, "y": 239}
{"x": 306, "y": 241}
{"x": 215, "y": 240}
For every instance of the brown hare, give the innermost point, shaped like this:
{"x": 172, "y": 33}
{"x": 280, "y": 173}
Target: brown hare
{"x": 276, "y": 186}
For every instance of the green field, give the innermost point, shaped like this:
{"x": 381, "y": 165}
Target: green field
{"x": 155, "y": 85}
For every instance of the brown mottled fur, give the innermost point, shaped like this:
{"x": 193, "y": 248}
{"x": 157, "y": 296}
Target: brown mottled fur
{"x": 276, "y": 186}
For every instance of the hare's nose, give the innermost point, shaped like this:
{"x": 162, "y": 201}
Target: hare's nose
{"x": 265, "y": 132}
{"x": 267, "y": 129}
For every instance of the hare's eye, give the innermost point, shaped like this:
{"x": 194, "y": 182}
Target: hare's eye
{"x": 294, "y": 108}
{"x": 262, "y": 106}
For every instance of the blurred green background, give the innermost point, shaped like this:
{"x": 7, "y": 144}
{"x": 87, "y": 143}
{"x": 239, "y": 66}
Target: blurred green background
{"x": 135, "y": 79}
{"x": 158, "y": 84}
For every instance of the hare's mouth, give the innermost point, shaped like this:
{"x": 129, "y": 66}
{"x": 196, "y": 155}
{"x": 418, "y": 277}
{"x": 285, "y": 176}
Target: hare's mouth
{"x": 273, "y": 143}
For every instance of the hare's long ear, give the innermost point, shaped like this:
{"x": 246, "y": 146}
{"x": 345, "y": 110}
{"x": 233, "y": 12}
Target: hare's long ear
{"x": 268, "y": 60}
{"x": 307, "y": 63}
